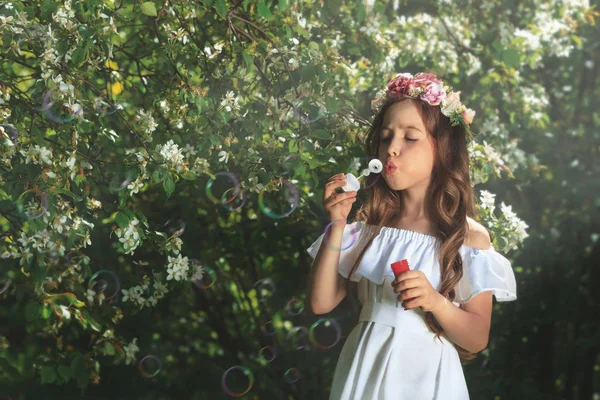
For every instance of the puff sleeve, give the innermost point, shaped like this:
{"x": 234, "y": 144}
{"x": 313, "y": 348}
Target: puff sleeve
{"x": 486, "y": 270}
{"x": 353, "y": 241}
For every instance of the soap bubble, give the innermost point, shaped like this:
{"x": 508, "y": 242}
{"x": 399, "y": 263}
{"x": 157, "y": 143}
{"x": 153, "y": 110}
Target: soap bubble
{"x": 279, "y": 203}
{"x": 4, "y": 285}
{"x": 298, "y": 337}
{"x": 268, "y": 328}
{"x": 174, "y": 228}
{"x": 150, "y": 366}
{"x": 220, "y": 187}
{"x": 268, "y": 353}
{"x": 102, "y": 107}
{"x": 347, "y": 242}
{"x": 237, "y": 381}
{"x": 228, "y": 199}
{"x": 120, "y": 181}
{"x": 106, "y": 282}
{"x": 32, "y": 204}
{"x": 264, "y": 289}
{"x": 67, "y": 113}
{"x": 292, "y": 375}
{"x": 289, "y": 163}
{"x": 321, "y": 330}
{"x": 9, "y": 129}
{"x": 204, "y": 277}
{"x": 307, "y": 114}
{"x": 294, "y": 307}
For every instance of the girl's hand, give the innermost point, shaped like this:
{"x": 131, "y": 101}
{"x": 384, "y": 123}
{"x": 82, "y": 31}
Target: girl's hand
{"x": 338, "y": 205}
{"x": 416, "y": 291}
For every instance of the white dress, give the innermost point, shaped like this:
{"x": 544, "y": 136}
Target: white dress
{"x": 391, "y": 354}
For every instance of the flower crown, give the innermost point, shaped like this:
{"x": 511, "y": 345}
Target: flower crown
{"x": 429, "y": 88}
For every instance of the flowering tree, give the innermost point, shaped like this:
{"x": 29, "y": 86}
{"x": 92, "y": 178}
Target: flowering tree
{"x": 120, "y": 121}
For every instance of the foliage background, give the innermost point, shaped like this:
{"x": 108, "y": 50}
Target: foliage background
{"x": 119, "y": 114}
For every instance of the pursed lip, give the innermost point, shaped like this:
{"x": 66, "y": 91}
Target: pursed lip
{"x": 390, "y": 164}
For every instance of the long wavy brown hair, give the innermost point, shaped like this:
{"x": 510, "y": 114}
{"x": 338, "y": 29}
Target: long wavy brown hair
{"x": 449, "y": 199}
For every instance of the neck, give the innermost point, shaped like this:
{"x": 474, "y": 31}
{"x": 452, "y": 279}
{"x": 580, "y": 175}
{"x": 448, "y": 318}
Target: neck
{"x": 413, "y": 205}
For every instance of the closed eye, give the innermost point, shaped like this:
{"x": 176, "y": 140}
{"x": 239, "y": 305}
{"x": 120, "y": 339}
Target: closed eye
{"x": 388, "y": 139}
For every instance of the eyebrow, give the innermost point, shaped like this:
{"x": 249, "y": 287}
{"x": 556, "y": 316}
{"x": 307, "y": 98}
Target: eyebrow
{"x": 387, "y": 126}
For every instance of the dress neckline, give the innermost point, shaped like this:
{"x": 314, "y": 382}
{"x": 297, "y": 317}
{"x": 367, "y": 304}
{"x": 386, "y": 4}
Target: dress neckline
{"x": 407, "y": 234}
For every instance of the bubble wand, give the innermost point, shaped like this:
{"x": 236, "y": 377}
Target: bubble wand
{"x": 353, "y": 183}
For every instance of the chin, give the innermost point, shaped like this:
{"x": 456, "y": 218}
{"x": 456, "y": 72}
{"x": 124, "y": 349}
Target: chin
{"x": 393, "y": 183}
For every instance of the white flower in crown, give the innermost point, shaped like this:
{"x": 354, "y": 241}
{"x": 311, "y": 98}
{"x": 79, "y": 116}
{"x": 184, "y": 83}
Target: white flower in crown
{"x": 451, "y": 104}
{"x": 415, "y": 91}
{"x": 377, "y": 102}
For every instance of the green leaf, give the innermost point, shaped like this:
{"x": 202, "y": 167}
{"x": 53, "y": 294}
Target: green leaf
{"x": 65, "y": 192}
{"x": 283, "y": 4}
{"x": 93, "y": 324}
{"x": 48, "y": 375}
{"x": 108, "y": 349}
{"x": 332, "y": 105}
{"x": 65, "y": 297}
{"x": 321, "y": 134}
{"x": 156, "y": 176}
{"x": 122, "y": 220}
{"x": 169, "y": 186}
{"x": 86, "y": 32}
{"x": 189, "y": 176}
{"x": 78, "y": 363}
{"x": 263, "y": 10}
{"x": 33, "y": 311}
{"x": 65, "y": 372}
{"x": 46, "y": 311}
{"x": 301, "y": 31}
{"x": 149, "y": 9}
{"x": 360, "y": 12}
{"x": 221, "y": 8}
{"x": 293, "y": 146}
{"x": 511, "y": 58}
{"x": 78, "y": 56}
{"x": 47, "y": 8}
{"x": 248, "y": 59}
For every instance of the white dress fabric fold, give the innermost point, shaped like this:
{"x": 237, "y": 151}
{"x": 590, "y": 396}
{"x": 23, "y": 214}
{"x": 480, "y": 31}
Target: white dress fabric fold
{"x": 391, "y": 354}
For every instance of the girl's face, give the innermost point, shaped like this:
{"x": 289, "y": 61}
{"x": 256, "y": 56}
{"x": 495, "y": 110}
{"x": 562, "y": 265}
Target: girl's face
{"x": 404, "y": 140}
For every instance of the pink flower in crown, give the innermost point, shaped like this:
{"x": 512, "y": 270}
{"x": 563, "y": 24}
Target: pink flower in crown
{"x": 468, "y": 116}
{"x": 400, "y": 84}
{"x": 434, "y": 94}
{"x": 423, "y": 79}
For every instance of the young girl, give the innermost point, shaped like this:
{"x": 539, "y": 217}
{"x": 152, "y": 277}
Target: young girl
{"x": 412, "y": 330}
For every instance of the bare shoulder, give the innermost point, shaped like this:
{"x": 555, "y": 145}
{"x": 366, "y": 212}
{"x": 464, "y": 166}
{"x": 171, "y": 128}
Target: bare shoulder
{"x": 478, "y": 237}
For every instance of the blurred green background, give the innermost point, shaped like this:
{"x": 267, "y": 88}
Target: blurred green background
{"x": 162, "y": 165}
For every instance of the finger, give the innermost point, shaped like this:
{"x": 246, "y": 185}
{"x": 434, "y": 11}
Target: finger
{"x": 346, "y": 202}
{"x": 337, "y": 176}
{"x": 410, "y": 274}
{"x": 410, "y": 294}
{"x": 410, "y": 303}
{"x": 336, "y": 198}
{"x": 332, "y": 187}
{"x": 407, "y": 284}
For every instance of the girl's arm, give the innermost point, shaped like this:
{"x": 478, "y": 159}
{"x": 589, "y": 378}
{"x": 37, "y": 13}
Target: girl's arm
{"x": 468, "y": 326}
{"x": 326, "y": 286}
